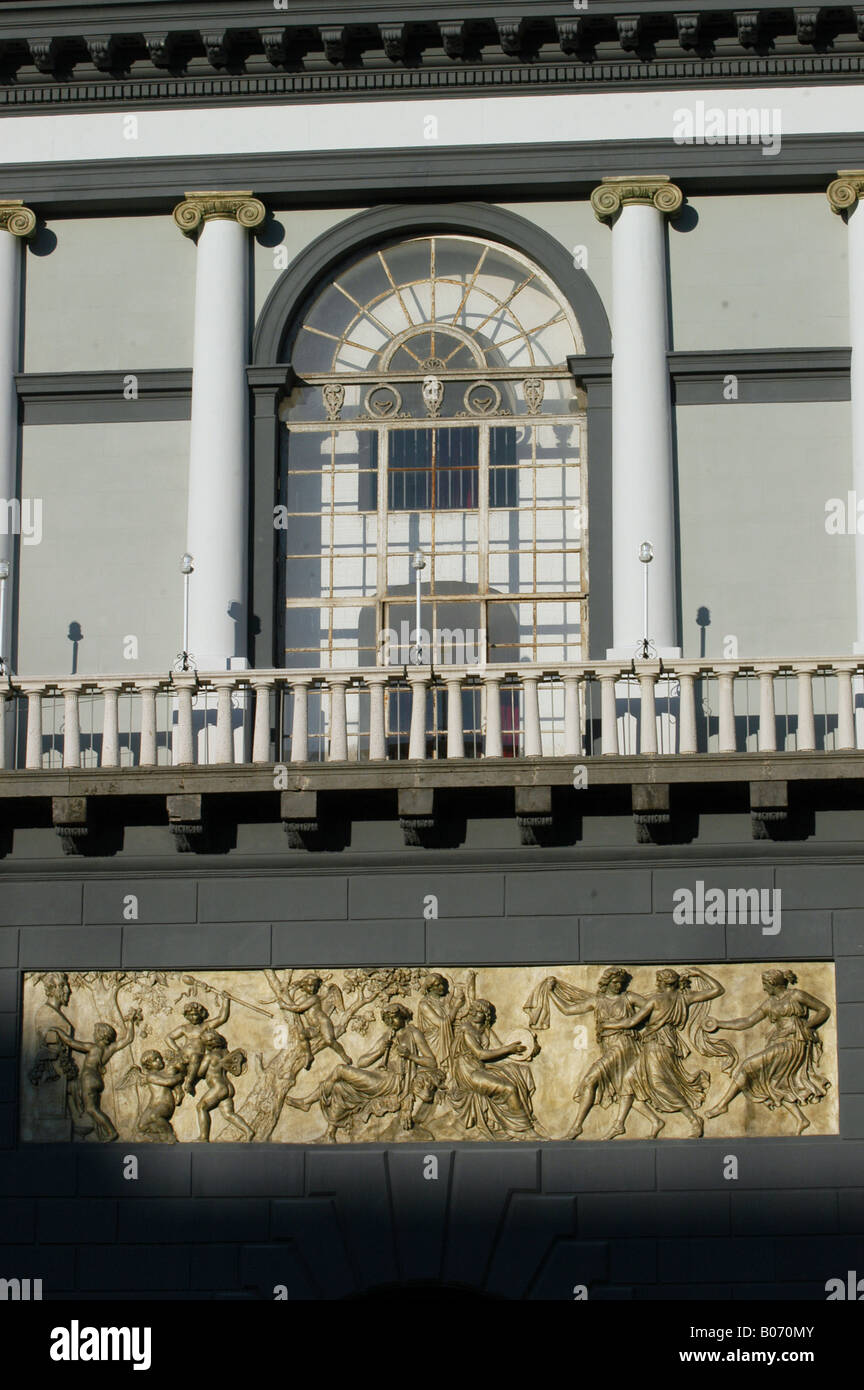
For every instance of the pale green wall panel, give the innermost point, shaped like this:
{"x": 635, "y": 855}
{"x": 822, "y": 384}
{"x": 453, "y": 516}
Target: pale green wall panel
{"x": 113, "y": 530}
{"x": 753, "y": 484}
{"x": 759, "y": 272}
{"x": 115, "y": 294}
{"x": 580, "y": 233}
{"x": 297, "y": 227}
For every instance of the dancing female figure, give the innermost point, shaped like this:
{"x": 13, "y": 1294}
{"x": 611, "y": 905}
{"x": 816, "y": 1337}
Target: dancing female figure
{"x": 657, "y": 1077}
{"x": 785, "y": 1073}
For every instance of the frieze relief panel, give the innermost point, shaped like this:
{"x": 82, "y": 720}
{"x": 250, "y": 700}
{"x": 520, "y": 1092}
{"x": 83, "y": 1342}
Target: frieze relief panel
{"x": 409, "y": 1054}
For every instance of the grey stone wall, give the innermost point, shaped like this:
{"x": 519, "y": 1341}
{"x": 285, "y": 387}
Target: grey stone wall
{"x": 630, "y": 1219}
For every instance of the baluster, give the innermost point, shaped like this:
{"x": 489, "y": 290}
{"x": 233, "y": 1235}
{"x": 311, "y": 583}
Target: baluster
{"x": 183, "y": 742}
{"x": 687, "y": 741}
{"x": 110, "y": 725}
{"x": 767, "y": 740}
{"x": 806, "y": 740}
{"x": 532, "y": 746}
{"x": 148, "y": 722}
{"x": 417, "y": 732}
{"x": 377, "y": 731}
{"x": 572, "y": 718}
{"x": 845, "y": 705}
{"x": 223, "y": 744}
{"x": 493, "y": 747}
{"x": 34, "y": 725}
{"x": 338, "y": 749}
{"x": 300, "y": 721}
{"x": 71, "y": 726}
{"x": 726, "y": 697}
{"x": 608, "y": 714}
{"x": 647, "y": 713}
{"x": 455, "y": 726}
{"x": 261, "y": 728}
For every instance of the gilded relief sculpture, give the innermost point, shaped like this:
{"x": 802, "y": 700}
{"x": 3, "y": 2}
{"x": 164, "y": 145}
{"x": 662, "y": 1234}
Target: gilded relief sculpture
{"x": 401, "y": 1054}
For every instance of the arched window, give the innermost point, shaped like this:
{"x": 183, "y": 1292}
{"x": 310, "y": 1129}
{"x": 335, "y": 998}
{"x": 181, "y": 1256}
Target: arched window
{"x": 434, "y": 412}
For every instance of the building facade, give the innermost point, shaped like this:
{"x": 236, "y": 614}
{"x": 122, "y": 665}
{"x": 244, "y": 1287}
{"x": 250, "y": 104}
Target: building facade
{"x": 431, "y": 451}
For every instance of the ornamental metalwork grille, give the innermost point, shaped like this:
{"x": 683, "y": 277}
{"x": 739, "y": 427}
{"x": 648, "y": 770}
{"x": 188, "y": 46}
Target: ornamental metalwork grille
{"x": 435, "y": 413}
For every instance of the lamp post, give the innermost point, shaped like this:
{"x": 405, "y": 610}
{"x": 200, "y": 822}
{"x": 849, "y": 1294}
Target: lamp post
{"x": 646, "y": 555}
{"x": 418, "y": 564}
{"x": 185, "y": 661}
{"x": 4, "y": 577}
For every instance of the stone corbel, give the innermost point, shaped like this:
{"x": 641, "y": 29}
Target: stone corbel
{"x": 69, "y": 818}
{"x": 186, "y": 822}
{"x": 161, "y": 48}
{"x": 103, "y": 51}
{"x": 217, "y": 46}
{"x": 299, "y": 813}
{"x": 534, "y": 814}
{"x": 394, "y": 38}
{"x": 807, "y": 24}
{"x": 511, "y": 33}
{"x": 769, "y": 809}
{"x": 748, "y": 23}
{"x": 46, "y": 54}
{"x": 417, "y": 816}
{"x": 570, "y": 33}
{"x": 688, "y": 27}
{"x": 335, "y": 43}
{"x": 629, "y": 31}
{"x": 858, "y": 12}
{"x": 453, "y": 39}
{"x": 273, "y": 41}
{"x": 652, "y": 814}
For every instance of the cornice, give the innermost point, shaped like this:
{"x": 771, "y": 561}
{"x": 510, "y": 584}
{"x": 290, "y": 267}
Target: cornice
{"x": 189, "y": 49}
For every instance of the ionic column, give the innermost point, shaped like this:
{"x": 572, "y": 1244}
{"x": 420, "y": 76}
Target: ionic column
{"x": 217, "y": 511}
{"x": 642, "y": 472}
{"x": 843, "y": 196}
{"x": 19, "y": 223}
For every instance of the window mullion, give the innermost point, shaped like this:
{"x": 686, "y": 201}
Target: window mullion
{"x": 483, "y": 519}
{"x": 383, "y": 544}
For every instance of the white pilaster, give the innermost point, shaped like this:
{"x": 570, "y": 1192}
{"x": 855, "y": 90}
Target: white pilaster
{"x": 16, "y": 224}
{"x": 217, "y": 512}
{"x": 642, "y": 472}
{"x": 843, "y": 195}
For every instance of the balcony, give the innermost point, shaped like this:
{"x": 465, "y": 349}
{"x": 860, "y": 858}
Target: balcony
{"x": 534, "y": 732}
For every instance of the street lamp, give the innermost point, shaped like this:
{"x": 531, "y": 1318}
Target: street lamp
{"x": 418, "y": 564}
{"x": 4, "y": 576}
{"x": 646, "y": 555}
{"x": 185, "y": 661}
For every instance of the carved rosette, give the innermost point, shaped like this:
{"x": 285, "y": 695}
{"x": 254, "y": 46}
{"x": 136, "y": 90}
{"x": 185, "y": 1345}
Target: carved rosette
{"x": 846, "y": 189}
{"x": 17, "y": 219}
{"x": 615, "y": 193}
{"x": 198, "y": 208}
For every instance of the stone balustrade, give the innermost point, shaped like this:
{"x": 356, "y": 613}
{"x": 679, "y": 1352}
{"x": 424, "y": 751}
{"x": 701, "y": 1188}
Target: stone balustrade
{"x": 566, "y": 710}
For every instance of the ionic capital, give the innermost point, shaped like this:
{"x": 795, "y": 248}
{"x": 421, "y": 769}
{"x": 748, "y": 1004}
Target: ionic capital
{"x": 17, "y": 219}
{"x": 846, "y": 189}
{"x": 237, "y": 206}
{"x": 650, "y": 190}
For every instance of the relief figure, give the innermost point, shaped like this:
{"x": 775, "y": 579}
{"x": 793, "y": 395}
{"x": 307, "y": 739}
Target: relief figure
{"x": 657, "y": 1076}
{"x": 488, "y": 1092}
{"x": 786, "y": 1071}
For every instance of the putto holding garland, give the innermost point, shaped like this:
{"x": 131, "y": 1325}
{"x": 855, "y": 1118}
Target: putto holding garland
{"x": 512, "y": 1054}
